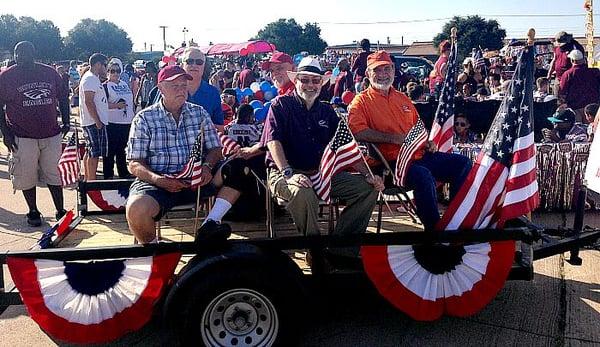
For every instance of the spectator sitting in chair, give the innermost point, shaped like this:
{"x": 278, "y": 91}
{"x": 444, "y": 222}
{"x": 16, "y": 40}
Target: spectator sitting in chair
{"x": 297, "y": 130}
{"x": 565, "y": 129}
{"x": 384, "y": 116}
{"x": 591, "y": 118}
{"x": 160, "y": 142}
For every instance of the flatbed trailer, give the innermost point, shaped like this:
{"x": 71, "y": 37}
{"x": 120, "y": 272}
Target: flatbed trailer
{"x": 250, "y": 291}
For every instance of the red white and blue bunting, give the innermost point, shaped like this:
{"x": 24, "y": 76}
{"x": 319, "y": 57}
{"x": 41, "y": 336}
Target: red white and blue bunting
{"x": 109, "y": 200}
{"x": 428, "y": 281}
{"x": 92, "y": 301}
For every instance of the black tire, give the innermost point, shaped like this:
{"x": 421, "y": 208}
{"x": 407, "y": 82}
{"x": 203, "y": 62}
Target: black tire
{"x": 268, "y": 300}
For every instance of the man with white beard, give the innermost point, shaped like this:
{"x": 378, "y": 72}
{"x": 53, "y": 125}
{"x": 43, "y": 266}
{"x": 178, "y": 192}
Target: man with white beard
{"x": 384, "y": 116}
{"x": 297, "y": 130}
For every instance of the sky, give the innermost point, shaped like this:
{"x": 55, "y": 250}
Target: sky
{"x": 341, "y": 22}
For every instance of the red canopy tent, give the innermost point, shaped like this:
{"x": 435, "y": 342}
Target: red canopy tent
{"x": 243, "y": 49}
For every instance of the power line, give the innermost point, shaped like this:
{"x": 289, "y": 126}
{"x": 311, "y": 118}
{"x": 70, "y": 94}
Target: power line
{"x": 448, "y": 18}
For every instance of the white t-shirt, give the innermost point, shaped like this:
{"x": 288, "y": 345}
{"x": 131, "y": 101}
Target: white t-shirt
{"x": 91, "y": 83}
{"x": 117, "y": 91}
{"x": 245, "y": 135}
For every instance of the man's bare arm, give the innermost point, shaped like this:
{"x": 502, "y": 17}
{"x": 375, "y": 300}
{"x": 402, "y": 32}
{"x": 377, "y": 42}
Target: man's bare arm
{"x": 91, "y": 106}
{"x": 278, "y": 155}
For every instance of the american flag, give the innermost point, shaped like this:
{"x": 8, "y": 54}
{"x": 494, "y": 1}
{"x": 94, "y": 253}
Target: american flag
{"x": 68, "y": 165}
{"x": 229, "y": 145}
{"x": 193, "y": 168}
{"x": 341, "y": 152}
{"x": 414, "y": 141}
{"x": 478, "y": 60}
{"x": 442, "y": 130}
{"x": 502, "y": 184}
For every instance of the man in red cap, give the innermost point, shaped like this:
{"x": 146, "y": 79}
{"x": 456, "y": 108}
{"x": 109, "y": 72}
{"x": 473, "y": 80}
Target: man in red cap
{"x": 382, "y": 115}
{"x": 160, "y": 142}
{"x": 278, "y": 66}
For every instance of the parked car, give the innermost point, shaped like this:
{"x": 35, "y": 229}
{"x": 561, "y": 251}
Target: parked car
{"x": 417, "y": 67}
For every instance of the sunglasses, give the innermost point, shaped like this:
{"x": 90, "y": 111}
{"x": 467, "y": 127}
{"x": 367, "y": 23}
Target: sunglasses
{"x": 460, "y": 124}
{"x": 314, "y": 80}
{"x": 114, "y": 71}
{"x": 194, "y": 61}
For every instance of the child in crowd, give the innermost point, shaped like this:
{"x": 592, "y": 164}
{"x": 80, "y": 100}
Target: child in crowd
{"x": 462, "y": 133}
{"x": 591, "y": 118}
{"x": 542, "y": 92}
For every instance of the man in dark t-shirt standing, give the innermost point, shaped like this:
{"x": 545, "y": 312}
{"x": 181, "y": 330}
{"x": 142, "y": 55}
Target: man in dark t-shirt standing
{"x": 359, "y": 65}
{"x": 30, "y": 92}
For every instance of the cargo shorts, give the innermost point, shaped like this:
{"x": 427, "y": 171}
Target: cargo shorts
{"x": 36, "y": 160}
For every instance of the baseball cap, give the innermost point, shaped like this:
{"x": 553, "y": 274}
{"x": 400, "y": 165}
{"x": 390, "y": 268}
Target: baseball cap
{"x": 566, "y": 115}
{"x": 116, "y": 61}
{"x": 277, "y": 57}
{"x": 575, "y": 55}
{"x": 229, "y": 91}
{"x": 172, "y": 72}
{"x": 378, "y": 58}
{"x": 563, "y": 38}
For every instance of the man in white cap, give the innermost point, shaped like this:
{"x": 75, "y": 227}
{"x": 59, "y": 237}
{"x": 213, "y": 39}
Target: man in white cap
{"x": 297, "y": 130}
{"x": 580, "y": 85}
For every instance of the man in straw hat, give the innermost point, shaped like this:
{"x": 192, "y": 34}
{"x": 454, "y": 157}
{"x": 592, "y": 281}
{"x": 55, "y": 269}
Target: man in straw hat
{"x": 160, "y": 142}
{"x": 297, "y": 130}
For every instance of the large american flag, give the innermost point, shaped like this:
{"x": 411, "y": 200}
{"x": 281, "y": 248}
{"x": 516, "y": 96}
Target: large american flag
{"x": 193, "y": 168}
{"x": 502, "y": 184}
{"x": 229, "y": 144}
{"x": 414, "y": 141}
{"x": 442, "y": 130}
{"x": 341, "y": 152}
{"x": 68, "y": 165}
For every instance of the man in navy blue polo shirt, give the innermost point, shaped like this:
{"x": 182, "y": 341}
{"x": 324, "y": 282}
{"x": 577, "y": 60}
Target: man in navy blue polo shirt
{"x": 297, "y": 130}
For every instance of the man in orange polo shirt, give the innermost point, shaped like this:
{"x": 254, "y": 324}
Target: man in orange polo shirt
{"x": 382, "y": 115}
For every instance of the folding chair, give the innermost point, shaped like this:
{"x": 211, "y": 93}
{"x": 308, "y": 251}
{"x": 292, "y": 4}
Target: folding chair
{"x": 399, "y": 192}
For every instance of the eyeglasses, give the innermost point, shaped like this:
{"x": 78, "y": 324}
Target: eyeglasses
{"x": 460, "y": 124}
{"x": 114, "y": 71}
{"x": 194, "y": 61}
{"x": 314, "y": 80}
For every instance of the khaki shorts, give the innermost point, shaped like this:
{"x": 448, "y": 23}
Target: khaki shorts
{"x": 35, "y": 161}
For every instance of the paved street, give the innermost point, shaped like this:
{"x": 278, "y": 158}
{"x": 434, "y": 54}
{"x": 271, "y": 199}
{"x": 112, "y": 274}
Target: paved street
{"x": 560, "y": 307}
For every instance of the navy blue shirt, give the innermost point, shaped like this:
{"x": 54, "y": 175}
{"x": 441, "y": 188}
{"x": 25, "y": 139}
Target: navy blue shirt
{"x": 303, "y": 133}
{"x": 206, "y": 96}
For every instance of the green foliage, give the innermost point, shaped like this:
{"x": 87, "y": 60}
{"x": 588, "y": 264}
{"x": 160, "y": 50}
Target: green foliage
{"x": 90, "y": 36}
{"x": 290, "y": 37}
{"x": 44, "y": 35}
{"x": 472, "y": 32}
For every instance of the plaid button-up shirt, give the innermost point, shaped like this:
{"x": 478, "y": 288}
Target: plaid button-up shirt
{"x": 165, "y": 145}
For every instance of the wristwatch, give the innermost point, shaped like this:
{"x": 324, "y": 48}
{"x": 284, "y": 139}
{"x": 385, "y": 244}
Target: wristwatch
{"x": 287, "y": 172}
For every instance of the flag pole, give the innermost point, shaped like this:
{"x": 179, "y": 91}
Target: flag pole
{"x": 343, "y": 118}
{"x": 198, "y": 189}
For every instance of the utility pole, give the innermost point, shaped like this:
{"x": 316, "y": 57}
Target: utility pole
{"x": 164, "y": 30}
{"x": 185, "y": 31}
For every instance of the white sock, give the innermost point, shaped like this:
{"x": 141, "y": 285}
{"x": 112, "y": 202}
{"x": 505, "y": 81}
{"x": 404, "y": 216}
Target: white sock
{"x": 218, "y": 211}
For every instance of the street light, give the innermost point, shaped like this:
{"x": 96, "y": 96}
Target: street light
{"x": 164, "y": 29}
{"x": 185, "y": 31}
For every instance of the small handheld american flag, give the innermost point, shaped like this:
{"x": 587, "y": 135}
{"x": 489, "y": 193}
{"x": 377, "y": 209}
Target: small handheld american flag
{"x": 414, "y": 141}
{"x": 442, "y": 129}
{"x": 341, "y": 153}
{"x": 68, "y": 165}
{"x": 193, "y": 168}
{"x": 229, "y": 145}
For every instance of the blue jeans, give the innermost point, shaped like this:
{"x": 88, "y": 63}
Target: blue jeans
{"x": 422, "y": 175}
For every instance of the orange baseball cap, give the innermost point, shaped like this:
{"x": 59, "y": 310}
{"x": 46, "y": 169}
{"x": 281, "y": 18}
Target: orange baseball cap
{"x": 378, "y": 58}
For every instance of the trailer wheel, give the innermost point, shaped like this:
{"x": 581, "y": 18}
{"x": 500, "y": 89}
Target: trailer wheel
{"x": 240, "y": 307}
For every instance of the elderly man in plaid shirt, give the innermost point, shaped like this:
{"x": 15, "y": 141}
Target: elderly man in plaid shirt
{"x": 160, "y": 142}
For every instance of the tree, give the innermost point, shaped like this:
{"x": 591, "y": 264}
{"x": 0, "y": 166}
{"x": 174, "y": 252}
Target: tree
{"x": 44, "y": 35}
{"x": 290, "y": 37}
{"x": 472, "y": 32}
{"x": 91, "y": 36}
